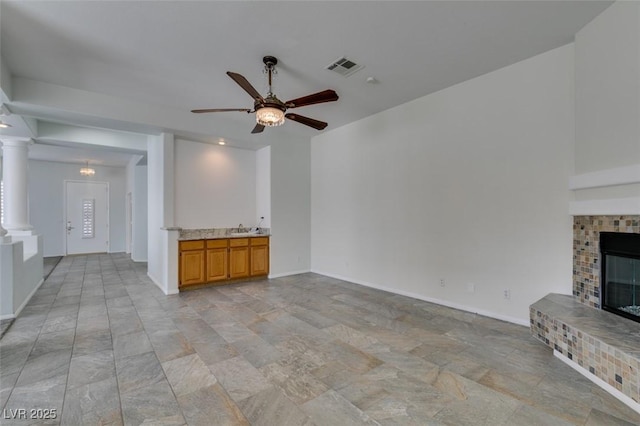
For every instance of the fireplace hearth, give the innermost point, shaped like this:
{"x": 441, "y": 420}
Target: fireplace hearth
{"x": 620, "y": 274}
{"x": 602, "y": 342}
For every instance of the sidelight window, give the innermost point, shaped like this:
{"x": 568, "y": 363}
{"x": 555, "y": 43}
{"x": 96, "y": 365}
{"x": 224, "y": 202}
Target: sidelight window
{"x": 88, "y": 218}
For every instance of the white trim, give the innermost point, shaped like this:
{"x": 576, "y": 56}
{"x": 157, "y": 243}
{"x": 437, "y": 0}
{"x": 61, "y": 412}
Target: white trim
{"x": 286, "y": 274}
{"x": 606, "y": 207}
{"x": 484, "y": 313}
{"x": 24, "y": 304}
{"x": 609, "y": 177}
{"x": 626, "y": 400}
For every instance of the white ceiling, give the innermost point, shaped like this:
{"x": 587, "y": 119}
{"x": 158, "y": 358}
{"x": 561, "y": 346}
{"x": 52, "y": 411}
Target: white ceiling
{"x": 175, "y": 54}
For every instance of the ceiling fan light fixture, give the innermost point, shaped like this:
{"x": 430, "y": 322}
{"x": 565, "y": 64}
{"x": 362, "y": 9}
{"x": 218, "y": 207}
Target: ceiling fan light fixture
{"x": 269, "y": 110}
{"x": 270, "y": 116}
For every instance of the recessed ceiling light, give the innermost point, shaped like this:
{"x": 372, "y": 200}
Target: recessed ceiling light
{"x": 221, "y": 142}
{"x": 4, "y": 125}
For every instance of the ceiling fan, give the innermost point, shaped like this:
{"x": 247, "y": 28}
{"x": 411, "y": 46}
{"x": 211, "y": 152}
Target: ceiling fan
{"x": 271, "y": 111}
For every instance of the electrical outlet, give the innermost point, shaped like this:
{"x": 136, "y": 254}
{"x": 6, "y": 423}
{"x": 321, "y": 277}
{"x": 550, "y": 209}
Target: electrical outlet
{"x": 471, "y": 287}
{"x": 441, "y": 282}
{"x": 507, "y": 294}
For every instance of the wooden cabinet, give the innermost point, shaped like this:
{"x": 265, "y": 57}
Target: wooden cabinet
{"x": 217, "y": 260}
{"x": 192, "y": 263}
{"x": 238, "y": 257}
{"x": 259, "y": 255}
{"x": 222, "y": 260}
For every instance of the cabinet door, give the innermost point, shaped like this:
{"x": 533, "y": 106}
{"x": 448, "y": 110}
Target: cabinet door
{"x": 216, "y": 264}
{"x": 192, "y": 267}
{"x": 238, "y": 262}
{"x": 259, "y": 260}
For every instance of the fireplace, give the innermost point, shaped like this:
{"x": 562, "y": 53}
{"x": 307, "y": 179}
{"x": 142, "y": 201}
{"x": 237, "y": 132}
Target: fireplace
{"x": 620, "y": 274}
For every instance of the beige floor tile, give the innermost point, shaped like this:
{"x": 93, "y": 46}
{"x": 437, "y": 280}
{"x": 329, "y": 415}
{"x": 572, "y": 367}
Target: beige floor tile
{"x": 100, "y": 340}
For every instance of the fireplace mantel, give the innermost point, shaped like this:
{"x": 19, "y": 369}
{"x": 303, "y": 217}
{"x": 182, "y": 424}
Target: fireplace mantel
{"x": 605, "y": 207}
{"x": 609, "y": 177}
{"x": 617, "y": 192}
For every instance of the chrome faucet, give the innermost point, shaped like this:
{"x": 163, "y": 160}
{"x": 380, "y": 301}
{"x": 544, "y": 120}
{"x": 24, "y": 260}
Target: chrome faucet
{"x": 258, "y": 229}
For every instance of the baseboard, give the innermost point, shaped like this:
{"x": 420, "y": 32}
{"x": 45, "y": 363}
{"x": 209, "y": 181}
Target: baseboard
{"x": 286, "y": 274}
{"x": 156, "y": 282}
{"x": 446, "y": 303}
{"x": 629, "y": 402}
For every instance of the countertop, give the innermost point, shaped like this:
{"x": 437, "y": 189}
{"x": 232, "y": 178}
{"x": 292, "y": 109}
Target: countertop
{"x": 217, "y": 234}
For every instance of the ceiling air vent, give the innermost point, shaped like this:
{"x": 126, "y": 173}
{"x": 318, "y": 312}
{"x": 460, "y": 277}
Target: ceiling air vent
{"x": 345, "y": 67}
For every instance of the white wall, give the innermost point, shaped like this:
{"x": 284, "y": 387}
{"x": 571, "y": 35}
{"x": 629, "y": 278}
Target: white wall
{"x": 468, "y": 185}
{"x": 130, "y": 177}
{"x": 607, "y": 56}
{"x": 162, "y": 265}
{"x": 20, "y": 273}
{"x": 46, "y": 202}
{"x": 608, "y": 89}
{"x": 215, "y": 186}
{"x": 263, "y": 186}
{"x": 139, "y": 226}
{"x": 31, "y": 276}
{"x": 223, "y": 187}
{"x": 155, "y": 202}
{"x": 290, "y": 207}
{"x": 11, "y": 276}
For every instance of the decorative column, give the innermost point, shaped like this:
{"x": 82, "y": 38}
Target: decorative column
{"x": 16, "y": 202}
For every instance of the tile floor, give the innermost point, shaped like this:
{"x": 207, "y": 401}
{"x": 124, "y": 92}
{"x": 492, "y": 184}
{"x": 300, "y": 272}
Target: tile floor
{"x": 101, "y": 345}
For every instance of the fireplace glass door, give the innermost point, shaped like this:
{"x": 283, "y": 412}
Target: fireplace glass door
{"x": 623, "y": 284}
{"x": 620, "y": 277}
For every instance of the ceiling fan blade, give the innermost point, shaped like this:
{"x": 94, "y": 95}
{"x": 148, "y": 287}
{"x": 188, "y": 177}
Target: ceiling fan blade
{"x": 258, "y": 129}
{"x": 316, "y": 98}
{"x": 200, "y": 111}
{"x": 244, "y": 83}
{"x": 316, "y": 124}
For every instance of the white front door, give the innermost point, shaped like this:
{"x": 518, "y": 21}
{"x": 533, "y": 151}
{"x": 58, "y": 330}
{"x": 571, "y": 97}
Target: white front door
{"x": 87, "y": 221}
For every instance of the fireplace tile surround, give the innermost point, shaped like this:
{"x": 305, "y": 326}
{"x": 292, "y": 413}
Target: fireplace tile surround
{"x": 604, "y": 344}
{"x": 586, "y": 252}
